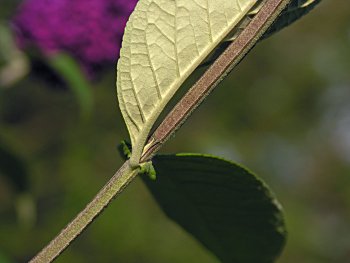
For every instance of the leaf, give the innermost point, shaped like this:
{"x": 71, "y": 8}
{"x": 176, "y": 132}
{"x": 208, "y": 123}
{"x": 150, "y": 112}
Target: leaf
{"x": 71, "y": 72}
{"x": 295, "y": 10}
{"x": 164, "y": 41}
{"x": 228, "y": 209}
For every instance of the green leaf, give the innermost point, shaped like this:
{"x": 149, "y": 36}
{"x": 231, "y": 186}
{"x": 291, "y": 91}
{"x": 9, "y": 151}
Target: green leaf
{"x": 295, "y": 10}
{"x": 228, "y": 209}
{"x": 164, "y": 42}
{"x": 71, "y": 72}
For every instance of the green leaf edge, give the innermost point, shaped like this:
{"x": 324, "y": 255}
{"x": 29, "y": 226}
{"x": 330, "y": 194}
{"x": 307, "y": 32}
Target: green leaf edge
{"x": 280, "y": 23}
{"x": 282, "y": 229}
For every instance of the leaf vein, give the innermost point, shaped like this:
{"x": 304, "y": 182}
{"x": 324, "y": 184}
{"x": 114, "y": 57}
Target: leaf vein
{"x": 143, "y": 118}
{"x": 209, "y": 22}
{"x": 175, "y": 42}
{"x": 152, "y": 66}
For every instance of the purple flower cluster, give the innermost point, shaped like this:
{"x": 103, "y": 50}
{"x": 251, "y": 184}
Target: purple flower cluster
{"x": 89, "y": 30}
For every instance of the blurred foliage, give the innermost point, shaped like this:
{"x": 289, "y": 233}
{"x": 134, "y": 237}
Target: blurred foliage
{"x": 7, "y": 8}
{"x": 14, "y": 64}
{"x": 70, "y": 71}
{"x": 284, "y": 112}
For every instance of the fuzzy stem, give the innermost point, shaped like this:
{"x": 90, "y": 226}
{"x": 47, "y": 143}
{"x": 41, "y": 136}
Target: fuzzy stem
{"x": 115, "y": 185}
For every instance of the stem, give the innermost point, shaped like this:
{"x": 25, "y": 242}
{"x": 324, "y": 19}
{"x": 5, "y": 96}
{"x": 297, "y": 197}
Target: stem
{"x": 115, "y": 185}
{"x": 230, "y": 58}
{"x": 193, "y": 98}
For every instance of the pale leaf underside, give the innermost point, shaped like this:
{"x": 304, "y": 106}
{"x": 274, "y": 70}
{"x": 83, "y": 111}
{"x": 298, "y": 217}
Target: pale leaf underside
{"x": 164, "y": 41}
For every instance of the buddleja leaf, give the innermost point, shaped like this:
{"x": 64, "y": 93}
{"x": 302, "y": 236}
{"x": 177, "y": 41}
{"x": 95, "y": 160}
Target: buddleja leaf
{"x": 227, "y": 208}
{"x": 164, "y": 41}
{"x": 295, "y": 10}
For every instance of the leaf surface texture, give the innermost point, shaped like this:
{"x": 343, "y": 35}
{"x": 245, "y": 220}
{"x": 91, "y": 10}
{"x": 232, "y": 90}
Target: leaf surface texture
{"x": 164, "y": 41}
{"x": 227, "y": 208}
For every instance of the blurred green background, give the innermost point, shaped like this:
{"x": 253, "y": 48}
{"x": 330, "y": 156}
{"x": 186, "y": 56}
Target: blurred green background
{"x": 284, "y": 113}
